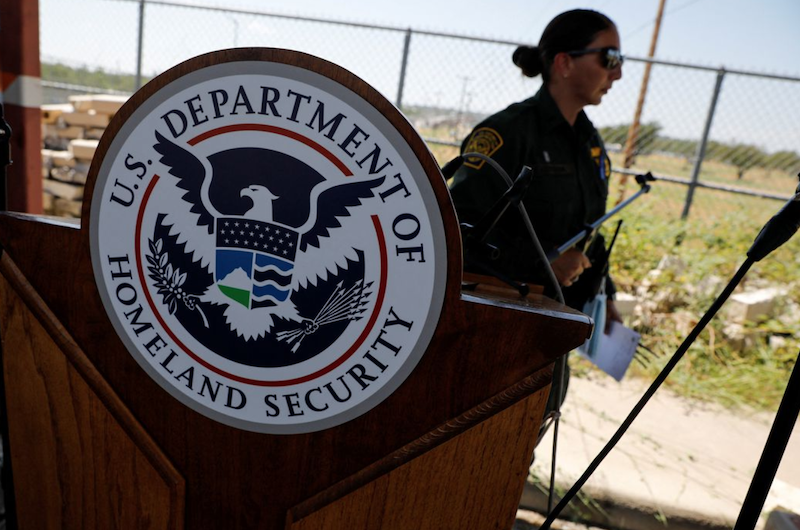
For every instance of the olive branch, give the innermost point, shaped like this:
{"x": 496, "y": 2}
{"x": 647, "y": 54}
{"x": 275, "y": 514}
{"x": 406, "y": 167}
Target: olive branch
{"x": 169, "y": 281}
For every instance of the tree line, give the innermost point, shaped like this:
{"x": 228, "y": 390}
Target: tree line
{"x": 95, "y": 78}
{"x": 742, "y": 156}
{"x": 649, "y": 140}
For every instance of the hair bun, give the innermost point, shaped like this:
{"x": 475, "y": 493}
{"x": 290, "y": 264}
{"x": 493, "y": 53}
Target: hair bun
{"x": 529, "y": 60}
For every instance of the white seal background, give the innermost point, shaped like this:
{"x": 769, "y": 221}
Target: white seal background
{"x": 415, "y": 290}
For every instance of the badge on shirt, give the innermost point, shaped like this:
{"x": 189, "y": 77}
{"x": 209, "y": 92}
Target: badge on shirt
{"x": 602, "y": 161}
{"x": 485, "y": 141}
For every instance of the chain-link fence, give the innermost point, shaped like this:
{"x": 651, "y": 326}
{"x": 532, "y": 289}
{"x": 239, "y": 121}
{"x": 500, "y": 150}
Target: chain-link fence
{"x": 700, "y": 126}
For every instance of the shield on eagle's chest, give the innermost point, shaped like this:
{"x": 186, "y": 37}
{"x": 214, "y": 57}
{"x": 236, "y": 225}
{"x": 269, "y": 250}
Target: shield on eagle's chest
{"x": 254, "y": 261}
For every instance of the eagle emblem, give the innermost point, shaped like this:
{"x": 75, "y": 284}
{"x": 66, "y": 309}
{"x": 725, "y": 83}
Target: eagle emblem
{"x": 238, "y": 259}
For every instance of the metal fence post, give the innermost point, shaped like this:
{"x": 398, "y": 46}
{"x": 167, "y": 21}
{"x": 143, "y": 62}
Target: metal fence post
{"x": 403, "y": 65}
{"x": 140, "y": 46}
{"x": 701, "y": 148}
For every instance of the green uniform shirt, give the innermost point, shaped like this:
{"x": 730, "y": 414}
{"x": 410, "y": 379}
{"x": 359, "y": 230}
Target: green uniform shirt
{"x": 568, "y": 191}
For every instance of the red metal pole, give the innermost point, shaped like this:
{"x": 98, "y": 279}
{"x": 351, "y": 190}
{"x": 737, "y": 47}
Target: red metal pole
{"x": 21, "y": 95}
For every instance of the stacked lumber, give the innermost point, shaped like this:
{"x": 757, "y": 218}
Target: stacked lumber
{"x": 70, "y": 134}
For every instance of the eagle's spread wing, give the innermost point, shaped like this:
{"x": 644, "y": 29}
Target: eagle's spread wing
{"x": 323, "y": 257}
{"x": 190, "y": 173}
{"x": 191, "y": 217}
{"x": 332, "y": 204}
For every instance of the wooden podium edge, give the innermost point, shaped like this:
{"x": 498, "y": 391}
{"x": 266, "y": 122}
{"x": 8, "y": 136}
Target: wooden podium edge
{"x": 433, "y": 439}
{"x": 95, "y": 381}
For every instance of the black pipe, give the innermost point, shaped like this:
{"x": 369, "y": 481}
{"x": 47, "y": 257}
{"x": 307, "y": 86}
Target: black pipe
{"x": 654, "y": 386}
{"x": 9, "y": 514}
{"x": 777, "y": 231}
{"x": 777, "y": 440}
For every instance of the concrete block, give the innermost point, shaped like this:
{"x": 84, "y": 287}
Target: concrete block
{"x": 63, "y": 190}
{"x": 747, "y": 307}
{"x": 61, "y": 131}
{"x": 69, "y": 174}
{"x": 83, "y": 149}
{"x": 780, "y": 520}
{"x": 85, "y": 119}
{"x": 101, "y": 103}
{"x": 94, "y": 133}
{"x": 740, "y": 338}
{"x": 58, "y": 158}
{"x": 625, "y": 303}
{"x": 710, "y": 285}
{"x": 671, "y": 263}
{"x": 47, "y": 164}
{"x": 66, "y": 208}
{"x": 51, "y": 113}
{"x": 47, "y": 203}
{"x": 777, "y": 341}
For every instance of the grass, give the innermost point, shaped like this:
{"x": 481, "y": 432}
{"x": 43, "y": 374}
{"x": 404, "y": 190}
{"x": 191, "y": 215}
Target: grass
{"x": 746, "y": 369}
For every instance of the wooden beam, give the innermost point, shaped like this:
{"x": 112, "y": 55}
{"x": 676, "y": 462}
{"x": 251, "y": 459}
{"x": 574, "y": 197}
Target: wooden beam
{"x": 20, "y": 86}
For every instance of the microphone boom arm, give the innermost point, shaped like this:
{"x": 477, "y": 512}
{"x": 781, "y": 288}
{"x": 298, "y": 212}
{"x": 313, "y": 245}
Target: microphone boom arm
{"x": 584, "y": 234}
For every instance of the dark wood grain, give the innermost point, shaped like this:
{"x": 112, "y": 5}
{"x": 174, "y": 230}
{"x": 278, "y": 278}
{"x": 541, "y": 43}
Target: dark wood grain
{"x": 80, "y": 459}
{"x": 474, "y": 480}
{"x": 240, "y": 479}
{"x": 536, "y": 385}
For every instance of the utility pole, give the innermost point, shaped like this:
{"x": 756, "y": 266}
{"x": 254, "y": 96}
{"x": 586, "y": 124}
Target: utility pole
{"x": 633, "y": 131}
{"x": 462, "y": 102}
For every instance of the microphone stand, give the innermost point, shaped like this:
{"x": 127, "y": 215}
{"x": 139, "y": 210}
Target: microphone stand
{"x": 583, "y": 234}
{"x": 775, "y": 233}
{"x": 5, "y": 159}
{"x": 475, "y": 236}
{"x": 561, "y": 363}
{"x": 778, "y": 438}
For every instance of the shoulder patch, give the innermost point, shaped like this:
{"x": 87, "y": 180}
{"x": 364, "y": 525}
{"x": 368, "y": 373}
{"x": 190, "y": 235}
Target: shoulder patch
{"x": 485, "y": 141}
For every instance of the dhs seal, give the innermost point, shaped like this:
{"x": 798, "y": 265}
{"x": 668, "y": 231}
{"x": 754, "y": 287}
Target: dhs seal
{"x": 266, "y": 244}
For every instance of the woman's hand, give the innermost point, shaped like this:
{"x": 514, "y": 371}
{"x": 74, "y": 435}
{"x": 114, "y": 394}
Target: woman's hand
{"x": 569, "y": 266}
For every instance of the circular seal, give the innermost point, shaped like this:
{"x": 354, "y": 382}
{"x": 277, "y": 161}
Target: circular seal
{"x": 266, "y": 243}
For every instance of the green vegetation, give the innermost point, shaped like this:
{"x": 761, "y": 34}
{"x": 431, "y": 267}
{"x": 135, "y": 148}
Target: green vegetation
{"x": 745, "y": 367}
{"x": 97, "y": 77}
{"x": 739, "y": 157}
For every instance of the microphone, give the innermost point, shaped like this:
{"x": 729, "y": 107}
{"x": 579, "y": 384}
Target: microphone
{"x": 476, "y": 250}
{"x": 512, "y": 196}
{"x": 451, "y": 167}
{"x": 778, "y": 230}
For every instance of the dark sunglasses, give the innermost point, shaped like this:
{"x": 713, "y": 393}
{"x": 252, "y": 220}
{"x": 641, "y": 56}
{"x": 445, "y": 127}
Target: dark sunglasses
{"x": 610, "y": 57}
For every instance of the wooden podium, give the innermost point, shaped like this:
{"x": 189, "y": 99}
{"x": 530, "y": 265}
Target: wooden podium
{"x": 95, "y": 442}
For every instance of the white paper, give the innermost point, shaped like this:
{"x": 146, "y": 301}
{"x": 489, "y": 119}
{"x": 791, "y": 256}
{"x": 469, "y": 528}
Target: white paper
{"x": 614, "y": 352}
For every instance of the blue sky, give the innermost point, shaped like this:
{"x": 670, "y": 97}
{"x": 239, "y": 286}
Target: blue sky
{"x": 758, "y": 35}
{"x": 741, "y": 35}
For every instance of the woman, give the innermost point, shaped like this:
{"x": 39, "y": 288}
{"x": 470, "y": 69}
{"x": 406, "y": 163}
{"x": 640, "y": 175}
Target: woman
{"x": 579, "y": 59}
